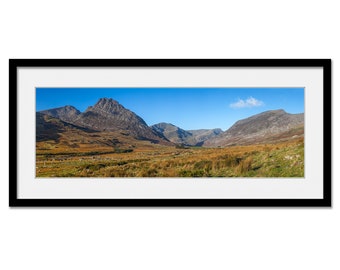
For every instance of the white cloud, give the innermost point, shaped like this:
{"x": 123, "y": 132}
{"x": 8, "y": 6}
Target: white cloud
{"x": 247, "y": 103}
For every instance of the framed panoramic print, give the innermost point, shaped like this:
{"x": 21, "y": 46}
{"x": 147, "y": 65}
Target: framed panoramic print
{"x": 170, "y": 132}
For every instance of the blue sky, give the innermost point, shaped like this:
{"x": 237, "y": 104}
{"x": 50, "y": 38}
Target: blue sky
{"x": 187, "y": 108}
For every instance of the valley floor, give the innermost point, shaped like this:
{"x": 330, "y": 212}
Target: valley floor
{"x": 269, "y": 160}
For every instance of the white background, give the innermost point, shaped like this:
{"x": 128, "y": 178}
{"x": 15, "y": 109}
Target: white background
{"x": 168, "y": 238}
{"x": 310, "y": 186}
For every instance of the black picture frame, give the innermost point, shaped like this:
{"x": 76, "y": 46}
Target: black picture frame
{"x": 14, "y": 64}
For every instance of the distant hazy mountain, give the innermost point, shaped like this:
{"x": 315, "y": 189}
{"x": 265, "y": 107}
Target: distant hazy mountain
{"x": 201, "y": 135}
{"x": 174, "y": 134}
{"x": 186, "y": 137}
{"x": 50, "y": 128}
{"x": 266, "y": 127}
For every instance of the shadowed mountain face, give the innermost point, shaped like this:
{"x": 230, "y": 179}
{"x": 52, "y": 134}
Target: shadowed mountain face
{"x": 186, "y": 137}
{"x": 50, "y": 128}
{"x": 108, "y": 115}
{"x": 266, "y": 127}
{"x": 53, "y": 133}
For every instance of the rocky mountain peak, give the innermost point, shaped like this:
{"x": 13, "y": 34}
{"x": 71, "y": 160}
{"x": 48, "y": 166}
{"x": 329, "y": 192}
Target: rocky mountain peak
{"x": 103, "y": 101}
{"x": 107, "y": 105}
{"x": 279, "y": 111}
{"x": 70, "y": 108}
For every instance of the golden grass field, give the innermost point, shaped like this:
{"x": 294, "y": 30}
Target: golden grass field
{"x": 284, "y": 159}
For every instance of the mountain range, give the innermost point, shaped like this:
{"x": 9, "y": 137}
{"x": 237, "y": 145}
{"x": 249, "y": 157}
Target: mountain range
{"x": 107, "y": 121}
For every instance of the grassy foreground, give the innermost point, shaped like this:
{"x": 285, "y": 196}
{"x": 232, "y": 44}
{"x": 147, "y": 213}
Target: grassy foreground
{"x": 270, "y": 160}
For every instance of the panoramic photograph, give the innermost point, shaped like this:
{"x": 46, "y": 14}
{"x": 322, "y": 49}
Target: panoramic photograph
{"x": 169, "y": 132}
